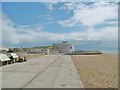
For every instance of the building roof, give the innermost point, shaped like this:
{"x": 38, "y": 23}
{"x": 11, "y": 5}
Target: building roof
{"x": 14, "y": 55}
{"x": 4, "y": 57}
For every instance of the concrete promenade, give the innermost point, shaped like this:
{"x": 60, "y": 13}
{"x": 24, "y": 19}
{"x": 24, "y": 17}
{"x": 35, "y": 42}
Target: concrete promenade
{"x": 50, "y": 71}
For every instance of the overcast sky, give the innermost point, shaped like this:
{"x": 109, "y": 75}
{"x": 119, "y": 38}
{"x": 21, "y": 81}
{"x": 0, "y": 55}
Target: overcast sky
{"x": 34, "y": 24}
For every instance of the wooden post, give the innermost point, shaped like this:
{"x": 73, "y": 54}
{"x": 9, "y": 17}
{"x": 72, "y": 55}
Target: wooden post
{"x": 6, "y": 62}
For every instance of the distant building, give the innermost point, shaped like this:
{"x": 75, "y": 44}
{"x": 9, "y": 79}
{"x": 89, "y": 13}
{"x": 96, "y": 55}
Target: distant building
{"x": 4, "y": 59}
{"x": 64, "y": 47}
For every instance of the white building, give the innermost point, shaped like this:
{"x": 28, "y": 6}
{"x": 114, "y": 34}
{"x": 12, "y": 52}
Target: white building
{"x": 4, "y": 59}
{"x": 63, "y": 47}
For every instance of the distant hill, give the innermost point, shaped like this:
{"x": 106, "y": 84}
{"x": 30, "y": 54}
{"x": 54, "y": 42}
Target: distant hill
{"x": 42, "y": 47}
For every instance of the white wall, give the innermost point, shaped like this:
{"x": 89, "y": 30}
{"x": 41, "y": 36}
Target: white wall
{"x": 64, "y": 48}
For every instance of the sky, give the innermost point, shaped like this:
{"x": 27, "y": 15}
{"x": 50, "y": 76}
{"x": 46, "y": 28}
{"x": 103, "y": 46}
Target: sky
{"x": 88, "y": 25}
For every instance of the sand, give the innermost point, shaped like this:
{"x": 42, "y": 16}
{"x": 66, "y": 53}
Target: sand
{"x": 97, "y": 71}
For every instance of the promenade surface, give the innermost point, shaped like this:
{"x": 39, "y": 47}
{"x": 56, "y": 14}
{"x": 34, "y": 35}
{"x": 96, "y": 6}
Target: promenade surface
{"x": 50, "y": 71}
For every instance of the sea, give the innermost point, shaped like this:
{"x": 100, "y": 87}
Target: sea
{"x": 103, "y": 50}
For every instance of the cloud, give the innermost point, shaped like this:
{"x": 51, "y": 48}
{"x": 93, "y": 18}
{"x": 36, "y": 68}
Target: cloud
{"x": 59, "y": 0}
{"x": 112, "y": 23}
{"x": 9, "y": 33}
{"x": 50, "y": 5}
{"x": 16, "y": 35}
{"x": 49, "y": 19}
{"x": 104, "y": 34}
{"x": 89, "y": 15}
{"x": 19, "y": 34}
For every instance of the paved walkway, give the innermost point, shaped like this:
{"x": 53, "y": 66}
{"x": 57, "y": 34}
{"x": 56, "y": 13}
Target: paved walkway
{"x": 51, "y": 71}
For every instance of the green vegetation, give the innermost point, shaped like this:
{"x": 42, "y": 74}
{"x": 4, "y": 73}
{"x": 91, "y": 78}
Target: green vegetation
{"x": 43, "y": 47}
